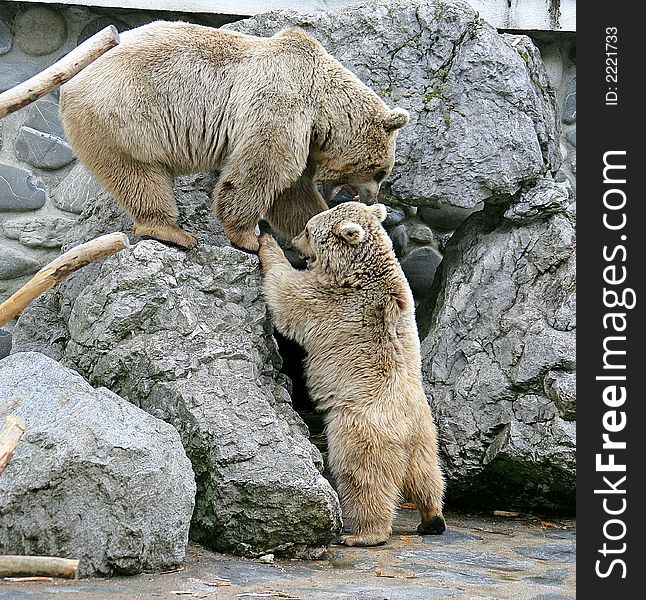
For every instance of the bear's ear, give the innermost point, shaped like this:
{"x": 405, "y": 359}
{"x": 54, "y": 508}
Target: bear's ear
{"x": 397, "y": 118}
{"x": 351, "y": 232}
{"x": 379, "y": 211}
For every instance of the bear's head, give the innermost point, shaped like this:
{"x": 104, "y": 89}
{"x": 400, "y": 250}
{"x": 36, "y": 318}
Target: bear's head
{"x": 346, "y": 242}
{"x": 361, "y": 156}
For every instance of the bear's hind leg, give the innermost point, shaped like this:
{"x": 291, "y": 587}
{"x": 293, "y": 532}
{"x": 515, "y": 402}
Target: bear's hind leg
{"x": 145, "y": 193}
{"x": 368, "y": 471}
{"x": 368, "y": 504}
{"x": 424, "y": 485}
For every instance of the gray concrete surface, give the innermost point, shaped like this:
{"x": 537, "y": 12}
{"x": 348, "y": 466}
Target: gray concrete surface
{"x": 478, "y": 558}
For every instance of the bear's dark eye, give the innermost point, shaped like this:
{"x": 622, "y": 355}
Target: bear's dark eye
{"x": 379, "y": 176}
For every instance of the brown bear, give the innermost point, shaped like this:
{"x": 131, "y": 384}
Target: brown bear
{"x": 273, "y": 115}
{"x": 352, "y": 310}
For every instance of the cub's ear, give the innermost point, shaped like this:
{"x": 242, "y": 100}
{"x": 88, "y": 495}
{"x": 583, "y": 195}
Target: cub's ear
{"x": 379, "y": 211}
{"x": 397, "y": 118}
{"x": 351, "y": 232}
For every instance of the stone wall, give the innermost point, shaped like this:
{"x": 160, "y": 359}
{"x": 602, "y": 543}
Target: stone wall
{"x": 39, "y": 198}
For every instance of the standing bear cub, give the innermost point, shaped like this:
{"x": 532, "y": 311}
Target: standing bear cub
{"x": 273, "y": 115}
{"x": 353, "y": 312}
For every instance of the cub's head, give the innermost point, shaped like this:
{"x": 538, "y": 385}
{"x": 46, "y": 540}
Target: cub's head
{"x": 359, "y": 155}
{"x": 346, "y": 240}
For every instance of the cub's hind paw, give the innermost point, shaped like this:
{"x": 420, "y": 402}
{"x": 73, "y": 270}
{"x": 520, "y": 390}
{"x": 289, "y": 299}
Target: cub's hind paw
{"x": 364, "y": 539}
{"x": 434, "y": 526}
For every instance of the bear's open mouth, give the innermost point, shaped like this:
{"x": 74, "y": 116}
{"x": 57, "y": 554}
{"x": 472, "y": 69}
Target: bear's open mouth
{"x": 350, "y": 189}
{"x": 310, "y": 261}
{"x": 341, "y": 192}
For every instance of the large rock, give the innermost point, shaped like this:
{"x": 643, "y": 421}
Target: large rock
{"x": 483, "y": 113}
{"x": 187, "y": 337}
{"x": 499, "y": 358}
{"x": 93, "y": 478}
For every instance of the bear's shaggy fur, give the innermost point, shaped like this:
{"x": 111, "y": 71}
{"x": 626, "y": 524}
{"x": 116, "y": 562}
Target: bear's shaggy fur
{"x": 353, "y": 312}
{"x": 273, "y": 115}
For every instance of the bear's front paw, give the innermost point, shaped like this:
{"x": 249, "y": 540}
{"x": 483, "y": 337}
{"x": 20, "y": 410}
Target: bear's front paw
{"x": 265, "y": 240}
{"x": 269, "y": 251}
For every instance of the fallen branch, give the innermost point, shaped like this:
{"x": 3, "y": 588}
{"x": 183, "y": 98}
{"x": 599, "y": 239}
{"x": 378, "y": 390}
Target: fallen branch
{"x": 38, "y": 566}
{"x": 10, "y": 434}
{"x": 27, "y": 579}
{"x": 61, "y": 71}
{"x": 59, "y": 269}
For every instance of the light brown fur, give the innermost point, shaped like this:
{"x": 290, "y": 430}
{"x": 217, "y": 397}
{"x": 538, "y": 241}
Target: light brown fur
{"x": 353, "y": 313}
{"x": 273, "y": 115}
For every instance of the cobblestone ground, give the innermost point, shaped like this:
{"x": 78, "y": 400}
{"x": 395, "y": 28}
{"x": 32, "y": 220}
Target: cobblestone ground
{"x": 478, "y": 558}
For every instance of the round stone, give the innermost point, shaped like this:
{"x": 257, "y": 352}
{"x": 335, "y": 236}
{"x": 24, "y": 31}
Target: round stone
{"x": 76, "y": 190}
{"x": 98, "y": 24}
{"x": 42, "y": 150}
{"x": 568, "y": 115}
{"x": 420, "y": 267}
{"x": 43, "y": 116}
{"x": 394, "y": 216}
{"x": 14, "y": 263}
{"x": 5, "y": 343}
{"x": 40, "y": 31}
{"x": 420, "y": 233}
{"x": 20, "y": 189}
{"x": 399, "y": 238}
{"x": 5, "y": 38}
{"x": 38, "y": 232}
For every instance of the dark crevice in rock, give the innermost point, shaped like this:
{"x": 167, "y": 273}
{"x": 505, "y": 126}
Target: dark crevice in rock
{"x": 509, "y": 484}
{"x": 293, "y": 356}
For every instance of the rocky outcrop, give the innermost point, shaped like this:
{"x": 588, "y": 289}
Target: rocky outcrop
{"x": 187, "y": 337}
{"x": 495, "y": 312}
{"x": 93, "y": 477}
{"x": 499, "y": 357}
{"x": 483, "y": 113}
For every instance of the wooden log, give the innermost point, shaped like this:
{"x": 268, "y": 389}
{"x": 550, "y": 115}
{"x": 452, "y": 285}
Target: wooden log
{"x": 10, "y": 434}
{"x": 59, "y": 269}
{"x": 61, "y": 71}
{"x": 38, "y": 566}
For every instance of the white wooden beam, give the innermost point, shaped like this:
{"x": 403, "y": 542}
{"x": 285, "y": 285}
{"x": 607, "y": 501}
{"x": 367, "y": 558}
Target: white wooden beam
{"x": 528, "y": 15}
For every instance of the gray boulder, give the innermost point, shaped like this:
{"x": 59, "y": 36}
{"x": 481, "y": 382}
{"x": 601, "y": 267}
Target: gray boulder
{"x": 93, "y": 478}
{"x": 499, "y": 360}
{"x": 187, "y": 337}
{"x": 483, "y": 113}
